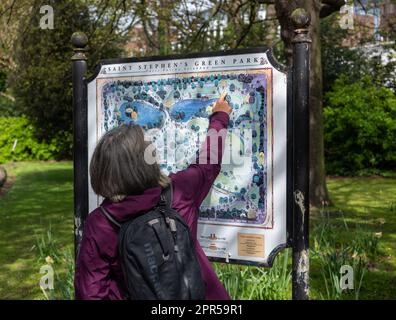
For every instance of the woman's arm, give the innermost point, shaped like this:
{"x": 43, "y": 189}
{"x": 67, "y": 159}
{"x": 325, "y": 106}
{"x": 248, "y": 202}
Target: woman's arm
{"x": 195, "y": 181}
{"x": 92, "y": 270}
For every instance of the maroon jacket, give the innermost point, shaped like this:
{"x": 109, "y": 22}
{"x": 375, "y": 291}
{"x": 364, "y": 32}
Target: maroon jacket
{"x": 98, "y": 272}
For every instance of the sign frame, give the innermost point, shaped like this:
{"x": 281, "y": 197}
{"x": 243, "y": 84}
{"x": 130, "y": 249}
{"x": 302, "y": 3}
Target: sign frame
{"x": 274, "y": 64}
{"x": 298, "y": 113}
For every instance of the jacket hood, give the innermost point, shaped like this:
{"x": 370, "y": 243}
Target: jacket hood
{"x": 133, "y": 205}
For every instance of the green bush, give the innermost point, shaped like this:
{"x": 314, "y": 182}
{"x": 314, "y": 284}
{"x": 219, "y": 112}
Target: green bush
{"x": 28, "y": 147}
{"x": 7, "y": 108}
{"x": 41, "y": 81}
{"x": 359, "y": 128}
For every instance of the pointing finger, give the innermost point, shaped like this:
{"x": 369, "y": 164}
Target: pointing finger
{"x": 223, "y": 95}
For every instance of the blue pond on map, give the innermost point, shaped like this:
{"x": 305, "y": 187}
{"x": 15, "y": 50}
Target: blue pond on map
{"x": 184, "y": 110}
{"x": 146, "y": 114}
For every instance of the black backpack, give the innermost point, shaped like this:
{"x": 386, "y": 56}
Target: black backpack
{"x": 158, "y": 256}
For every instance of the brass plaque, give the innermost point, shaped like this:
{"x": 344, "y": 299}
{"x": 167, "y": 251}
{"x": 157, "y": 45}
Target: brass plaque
{"x": 251, "y": 245}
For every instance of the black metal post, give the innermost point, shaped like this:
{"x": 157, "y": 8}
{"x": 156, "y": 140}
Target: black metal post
{"x": 80, "y": 135}
{"x": 301, "y": 50}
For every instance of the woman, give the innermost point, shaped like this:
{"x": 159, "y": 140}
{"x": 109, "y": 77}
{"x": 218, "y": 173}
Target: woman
{"x": 130, "y": 186}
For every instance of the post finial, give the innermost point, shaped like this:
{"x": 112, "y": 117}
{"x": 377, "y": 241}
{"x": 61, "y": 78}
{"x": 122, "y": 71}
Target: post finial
{"x": 301, "y": 21}
{"x": 79, "y": 41}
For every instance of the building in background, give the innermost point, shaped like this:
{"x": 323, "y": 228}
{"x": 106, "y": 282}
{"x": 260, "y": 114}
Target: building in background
{"x": 373, "y": 20}
{"x": 388, "y": 18}
{"x": 139, "y": 44}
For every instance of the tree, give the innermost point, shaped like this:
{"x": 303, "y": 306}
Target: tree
{"x": 8, "y": 30}
{"x": 196, "y": 25}
{"x": 360, "y": 126}
{"x": 353, "y": 63}
{"x": 9, "y": 9}
{"x": 41, "y": 80}
{"x": 317, "y": 9}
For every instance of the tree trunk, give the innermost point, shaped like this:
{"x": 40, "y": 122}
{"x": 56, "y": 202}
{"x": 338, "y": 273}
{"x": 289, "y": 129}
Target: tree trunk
{"x": 272, "y": 25}
{"x": 318, "y": 190}
{"x": 163, "y": 32}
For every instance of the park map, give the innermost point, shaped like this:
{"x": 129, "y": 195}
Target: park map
{"x": 176, "y": 107}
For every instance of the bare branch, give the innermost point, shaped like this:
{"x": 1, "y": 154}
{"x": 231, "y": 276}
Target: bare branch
{"x": 205, "y": 24}
{"x": 249, "y": 26}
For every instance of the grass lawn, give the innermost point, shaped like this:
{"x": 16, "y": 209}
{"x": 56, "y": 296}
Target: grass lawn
{"x": 41, "y": 197}
{"x": 368, "y": 204}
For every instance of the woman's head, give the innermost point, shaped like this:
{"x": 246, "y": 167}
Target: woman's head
{"x": 118, "y": 167}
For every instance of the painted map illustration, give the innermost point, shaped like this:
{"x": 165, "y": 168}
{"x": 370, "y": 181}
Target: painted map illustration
{"x": 173, "y": 109}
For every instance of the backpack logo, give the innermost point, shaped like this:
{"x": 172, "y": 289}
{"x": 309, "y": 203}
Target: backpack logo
{"x": 153, "y": 266}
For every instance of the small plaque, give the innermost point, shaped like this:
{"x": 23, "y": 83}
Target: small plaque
{"x": 251, "y": 245}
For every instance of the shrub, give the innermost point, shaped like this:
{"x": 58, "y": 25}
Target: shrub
{"x": 359, "y": 128}
{"x": 7, "y": 107}
{"x": 41, "y": 82}
{"x": 28, "y": 147}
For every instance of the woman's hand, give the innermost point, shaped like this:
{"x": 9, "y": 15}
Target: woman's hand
{"x": 222, "y": 104}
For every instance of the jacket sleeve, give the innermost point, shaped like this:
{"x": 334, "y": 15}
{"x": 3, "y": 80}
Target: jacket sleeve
{"x": 92, "y": 269}
{"x": 195, "y": 181}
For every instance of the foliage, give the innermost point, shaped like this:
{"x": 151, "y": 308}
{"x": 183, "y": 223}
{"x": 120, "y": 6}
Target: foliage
{"x": 41, "y": 200}
{"x": 360, "y": 229}
{"x": 196, "y": 26}
{"x": 354, "y": 63}
{"x": 3, "y": 78}
{"x": 248, "y": 282}
{"x": 50, "y": 253}
{"x": 360, "y": 127}
{"x": 41, "y": 81}
{"x": 28, "y": 147}
{"x": 7, "y": 107}
{"x": 331, "y": 254}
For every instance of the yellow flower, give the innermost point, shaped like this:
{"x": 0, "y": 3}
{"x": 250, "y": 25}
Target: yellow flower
{"x": 381, "y": 221}
{"x": 49, "y": 260}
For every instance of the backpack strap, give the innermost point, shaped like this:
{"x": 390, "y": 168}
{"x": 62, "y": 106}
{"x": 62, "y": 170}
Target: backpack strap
{"x": 109, "y": 217}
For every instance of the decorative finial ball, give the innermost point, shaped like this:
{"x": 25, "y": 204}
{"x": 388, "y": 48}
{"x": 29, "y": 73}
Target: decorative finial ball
{"x": 300, "y": 18}
{"x": 79, "y": 40}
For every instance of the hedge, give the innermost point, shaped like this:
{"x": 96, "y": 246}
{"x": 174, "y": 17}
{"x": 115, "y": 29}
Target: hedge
{"x": 359, "y": 128}
{"x": 28, "y": 147}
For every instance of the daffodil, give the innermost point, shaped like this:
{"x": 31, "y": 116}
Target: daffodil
{"x": 49, "y": 260}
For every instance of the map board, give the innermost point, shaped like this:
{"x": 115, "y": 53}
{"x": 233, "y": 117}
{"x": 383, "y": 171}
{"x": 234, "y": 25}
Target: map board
{"x": 244, "y": 217}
